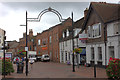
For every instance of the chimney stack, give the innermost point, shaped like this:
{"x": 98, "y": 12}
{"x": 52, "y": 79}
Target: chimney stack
{"x": 85, "y": 13}
{"x": 24, "y": 35}
{"x": 30, "y": 32}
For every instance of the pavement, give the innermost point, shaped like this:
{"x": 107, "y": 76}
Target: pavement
{"x": 58, "y": 70}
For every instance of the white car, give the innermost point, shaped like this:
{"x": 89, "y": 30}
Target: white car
{"x": 45, "y": 57}
{"x": 34, "y": 58}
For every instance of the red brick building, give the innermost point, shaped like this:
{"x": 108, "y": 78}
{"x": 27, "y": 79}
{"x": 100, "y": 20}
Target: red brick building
{"x": 12, "y": 47}
{"x": 47, "y": 42}
{"x": 30, "y": 42}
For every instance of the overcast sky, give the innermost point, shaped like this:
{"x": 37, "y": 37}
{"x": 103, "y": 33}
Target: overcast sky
{"x": 12, "y": 15}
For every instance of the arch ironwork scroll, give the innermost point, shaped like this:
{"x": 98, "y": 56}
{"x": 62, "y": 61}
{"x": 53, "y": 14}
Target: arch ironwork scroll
{"x": 45, "y": 11}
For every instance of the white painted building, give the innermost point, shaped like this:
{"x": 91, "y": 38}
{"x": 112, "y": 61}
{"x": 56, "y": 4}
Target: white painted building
{"x": 1, "y": 37}
{"x": 113, "y": 40}
{"x": 103, "y": 29}
{"x": 1, "y": 42}
{"x": 66, "y": 44}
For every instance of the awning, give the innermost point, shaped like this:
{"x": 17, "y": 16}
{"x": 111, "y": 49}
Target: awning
{"x": 83, "y": 52}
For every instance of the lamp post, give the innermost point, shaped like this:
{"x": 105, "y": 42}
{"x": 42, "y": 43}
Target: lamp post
{"x": 73, "y": 42}
{"x": 4, "y": 54}
{"x": 26, "y": 48}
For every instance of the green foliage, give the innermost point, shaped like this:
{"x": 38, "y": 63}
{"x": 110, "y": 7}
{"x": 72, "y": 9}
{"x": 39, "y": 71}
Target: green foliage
{"x": 113, "y": 69}
{"x": 77, "y": 50}
{"x": 8, "y": 66}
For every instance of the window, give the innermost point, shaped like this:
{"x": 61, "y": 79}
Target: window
{"x": 50, "y": 54}
{"x": 39, "y": 52}
{"x": 32, "y": 40}
{"x": 69, "y": 55}
{"x": 92, "y": 53}
{"x": 94, "y": 31}
{"x": 76, "y": 31}
{"x": 62, "y": 55}
{"x": 67, "y": 32}
{"x": 63, "y": 45}
{"x": 66, "y": 56}
{"x": 30, "y": 47}
{"x": 89, "y": 31}
{"x": 99, "y": 53}
{"x": 39, "y": 42}
{"x": 44, "y": 41}
{"x": 116, "y": 28}
{"x": 66, "y": 43}
{"x": 63, "y": 35}
{"x": 35, "y": 48}
{"x": 111, "y": 51}
{"x": 50, "y": 39}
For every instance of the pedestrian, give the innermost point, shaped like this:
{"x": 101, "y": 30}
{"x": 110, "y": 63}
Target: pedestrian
{"x": 31, "y": 61}
{"x": 22, "y": 59}
{"x": 17, "y": 61}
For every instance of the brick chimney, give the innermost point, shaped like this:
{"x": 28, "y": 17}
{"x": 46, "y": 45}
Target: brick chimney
{"x": 30, "y": 32}
{"x": 85, "y": 13}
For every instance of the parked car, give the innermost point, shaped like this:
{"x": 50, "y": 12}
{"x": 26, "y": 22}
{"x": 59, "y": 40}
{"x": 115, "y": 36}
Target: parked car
{"x": 39, "y": 58}
{"x": 45, "y": 57}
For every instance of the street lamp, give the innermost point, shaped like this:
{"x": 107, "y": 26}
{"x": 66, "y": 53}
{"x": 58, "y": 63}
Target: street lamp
{"x": 26, "y": 48}
{"x": 4, "y": 53}
{"x": 73, "y": 42}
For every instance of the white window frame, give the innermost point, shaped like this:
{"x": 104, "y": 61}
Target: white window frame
{"x": 67, "y": 33}
{"x": 116, "y": 28}
{"x": 99, "y": 53}
{"x": 92, "y": 30}
{"x": 63, "y": 35}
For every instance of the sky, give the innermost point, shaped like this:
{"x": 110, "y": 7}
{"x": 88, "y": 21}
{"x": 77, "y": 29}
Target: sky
{"x": 13, "y": 14}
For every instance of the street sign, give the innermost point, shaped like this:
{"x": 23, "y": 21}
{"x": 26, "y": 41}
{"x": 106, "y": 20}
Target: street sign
{"x": 82, "y": 36}
{"x": 26, "y": 48}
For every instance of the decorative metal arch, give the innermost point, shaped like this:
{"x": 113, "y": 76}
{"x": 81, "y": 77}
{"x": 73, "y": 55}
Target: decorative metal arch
{"x": 45, "y": 11}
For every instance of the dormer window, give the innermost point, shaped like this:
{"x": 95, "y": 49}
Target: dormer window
{"x": 63, "y": 35}
{"x": 67, "y": 32}
{"x": 39, "y": 42}
{"x": 76, "y": 31}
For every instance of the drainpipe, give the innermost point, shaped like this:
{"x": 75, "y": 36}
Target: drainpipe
{"x": 105, "y": 40}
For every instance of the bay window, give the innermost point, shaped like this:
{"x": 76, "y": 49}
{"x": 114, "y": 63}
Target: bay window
{"x": 94, "y": 31}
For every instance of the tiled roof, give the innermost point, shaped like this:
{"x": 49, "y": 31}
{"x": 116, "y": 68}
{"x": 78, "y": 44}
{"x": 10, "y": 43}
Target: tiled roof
{"x": 107, "y": 11}
{"x": 77, "y": 24}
